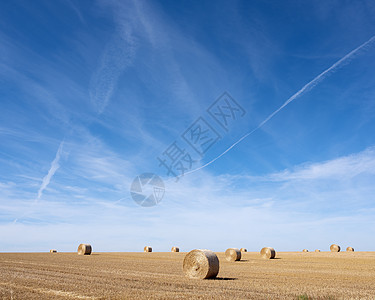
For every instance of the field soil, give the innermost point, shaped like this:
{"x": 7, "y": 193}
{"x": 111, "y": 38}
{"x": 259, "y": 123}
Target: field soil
{"x": 156, "y": 275}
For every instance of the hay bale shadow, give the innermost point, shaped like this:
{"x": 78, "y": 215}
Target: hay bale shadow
{"x": 223, "y": 278}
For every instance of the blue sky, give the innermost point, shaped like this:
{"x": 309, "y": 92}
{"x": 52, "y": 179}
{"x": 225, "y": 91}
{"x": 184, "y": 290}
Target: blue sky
{"x": 93, "y": 92}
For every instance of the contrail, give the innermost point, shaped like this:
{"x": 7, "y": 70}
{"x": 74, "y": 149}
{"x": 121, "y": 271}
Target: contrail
{"x": 46, "y": 180}
{"x": 54, "y": 166}
{"x": 307, "y": 87}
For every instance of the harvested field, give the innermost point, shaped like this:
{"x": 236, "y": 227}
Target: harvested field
{"x": 159, "y": 275}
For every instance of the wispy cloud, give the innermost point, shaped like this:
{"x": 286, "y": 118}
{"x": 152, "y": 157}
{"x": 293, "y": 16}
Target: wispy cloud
{"x": 346, "y": 167}
{"x": 145, "y": 36}
{"x": 315, "y": 198}
{"x": 76, "y": 10}
{"x": 55, "y": 165}
{"x": 118, "y": 55}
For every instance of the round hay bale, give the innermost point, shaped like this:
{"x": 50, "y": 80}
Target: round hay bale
{"x": 233, "y": 254}
{"x": 147, "y": 249}
{"x": 53, "y": 251}
{"x": 268, "y": 253}
{"x": 201, "y": 264}
{"x": 350, "y": 249}
{"x": 305, "y": 250}
{"x": 175, "y": 249}
{"x": 335, "y": 248}
{"x": 84, "y": 249}
{"x": 243, "y": 250}
{"x": 317, "y": 250}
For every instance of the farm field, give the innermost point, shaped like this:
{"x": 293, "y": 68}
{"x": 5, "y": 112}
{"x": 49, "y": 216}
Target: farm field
{"x": 323, "y": 275}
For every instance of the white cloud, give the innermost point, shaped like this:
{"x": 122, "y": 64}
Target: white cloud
{"x": 343, "y": 167}
{"x": 117, "y": 56}
{"x": 310, "y": 206}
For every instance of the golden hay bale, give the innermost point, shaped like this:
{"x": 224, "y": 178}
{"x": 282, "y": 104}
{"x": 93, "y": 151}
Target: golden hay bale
{"x": 233, "y": 254}
{"x": 175, "y": 249}
{"x": 147, "y": 249}
{"x": 53, "y": 251}
{"x": 305, "y": 250}
{"x": 350, "y": 249}
{"x": 335, "y": 248}
{"x": 201, "y": 264}
{"x": 317, "y": 250}
{"x": 84, "y": 249}
{"x": 268, "y": 253}
{"x": 243, "y": 250}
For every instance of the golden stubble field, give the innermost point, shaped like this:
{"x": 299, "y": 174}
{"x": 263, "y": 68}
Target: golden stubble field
{"x": 323, "y": 275}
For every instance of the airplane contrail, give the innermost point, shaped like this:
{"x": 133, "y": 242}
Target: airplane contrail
{"x": 46, "y": 179}
{"x": 54, "y": 166}
{"x": 307, "y": 87}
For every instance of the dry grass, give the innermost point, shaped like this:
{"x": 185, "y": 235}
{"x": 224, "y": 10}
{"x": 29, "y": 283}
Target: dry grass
{"x": 324, "y": 275}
